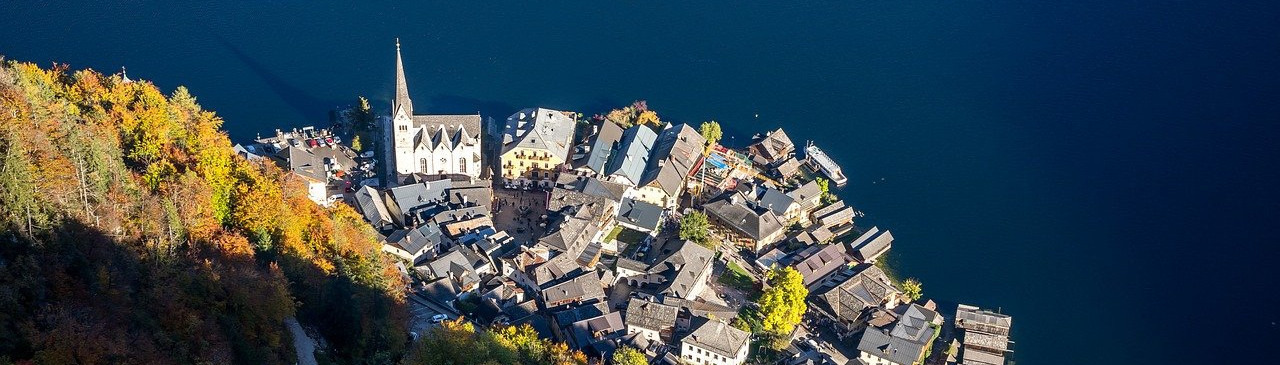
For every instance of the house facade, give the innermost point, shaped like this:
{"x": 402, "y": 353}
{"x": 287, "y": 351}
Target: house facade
{"x": 535, "y": 143}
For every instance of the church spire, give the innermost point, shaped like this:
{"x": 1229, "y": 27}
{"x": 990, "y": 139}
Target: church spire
{"x": 402, "y": 88}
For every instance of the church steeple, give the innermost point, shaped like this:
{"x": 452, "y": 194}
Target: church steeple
{"x": 402, "y": 88}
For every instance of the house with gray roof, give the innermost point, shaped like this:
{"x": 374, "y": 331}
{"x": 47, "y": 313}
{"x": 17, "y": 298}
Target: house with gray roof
{"x": 905, "y": 341}
{"x": 849, "y": 302}
{"x": 535, "y": 143}
{"x": 596, "y": 154}
{"x": 715, "y": 342}
{"x": 807, "y": 197}
{"x": 639, "y": 215}
{"x": 871, "y": 244}
{"x": 686, "y": 270}
{"x": 781, "y": 204}
{"x": 373, "y": 207}
{"x": 588, "y": 334}
{"x": 753, "y": 228}
{"x": 414, "y": 244}
{"x": 583, "y": 288}
{"x": 652, "y": 320}
{"x": 775, "y": 146}
{"x": 676, "y": 154}
{"x": 628, "y": 163}
{"x": 402, "y": 200}
{"x": 463, "y": 265}
{"x": 817, "y": 262}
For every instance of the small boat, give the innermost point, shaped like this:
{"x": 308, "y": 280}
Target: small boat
{"x": 820, "y": 161}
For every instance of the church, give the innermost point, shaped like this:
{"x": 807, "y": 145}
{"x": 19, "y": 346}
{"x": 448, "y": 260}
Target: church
{"x": 432, "y": 144}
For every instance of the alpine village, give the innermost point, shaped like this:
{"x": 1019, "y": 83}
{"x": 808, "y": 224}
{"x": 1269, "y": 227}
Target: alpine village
{"x": 541, "y": 237}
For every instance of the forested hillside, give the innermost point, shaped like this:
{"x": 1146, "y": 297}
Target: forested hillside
{"x": 130, "y": 233}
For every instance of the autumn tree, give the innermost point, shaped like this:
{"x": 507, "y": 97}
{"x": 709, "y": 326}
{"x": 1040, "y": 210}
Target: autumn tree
{"x": 710, "y": 130}
{"x": 782, "y": 304}
{"x": 912, "y": 289}
{"x": 627, "y": 355}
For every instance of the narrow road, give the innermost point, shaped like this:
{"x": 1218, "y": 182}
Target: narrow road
{"x": 302, "y": 344}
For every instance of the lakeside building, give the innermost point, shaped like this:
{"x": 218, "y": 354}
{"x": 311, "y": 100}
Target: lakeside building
{"x": 535, "y": 143}
{"x": 985, "y": 336}
{"x": 314, "y": 155}
{"x": 432, "y": 144}
{"x": 903, "y": 342}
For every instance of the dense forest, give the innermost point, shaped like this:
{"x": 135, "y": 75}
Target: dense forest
{"x": 130, "y": 233}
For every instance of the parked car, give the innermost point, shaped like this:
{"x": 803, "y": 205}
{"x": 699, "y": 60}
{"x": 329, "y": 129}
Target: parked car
{"x": 438, "y": 318}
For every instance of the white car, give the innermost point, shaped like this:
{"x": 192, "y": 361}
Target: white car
{"x": 438, "y": 318}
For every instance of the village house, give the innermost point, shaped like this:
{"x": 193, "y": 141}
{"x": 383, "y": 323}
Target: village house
{"x": 676, "y": 153}
{"x": 627, "y": 164}
{"x": 904, "y": 342}
{"x": 774, "y": 147}
{"x": 754, "y": 228}
{"x": 715, "y": 342}
{"x": 535, "y": 143}
{"x": 591, "y": 158}
{"x": 850, "y": 302}
{"x": 871, "y": 244}
{"x": 651, "y": 320}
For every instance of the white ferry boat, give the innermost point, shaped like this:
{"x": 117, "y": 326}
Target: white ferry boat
{"x": 819, "y": 160}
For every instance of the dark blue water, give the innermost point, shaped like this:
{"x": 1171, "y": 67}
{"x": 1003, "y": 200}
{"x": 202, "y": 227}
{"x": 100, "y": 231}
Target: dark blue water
{"x": 1104, "y": 171}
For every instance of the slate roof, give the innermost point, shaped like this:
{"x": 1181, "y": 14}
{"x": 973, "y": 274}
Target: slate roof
{"x": 719, "y": 337}
{"x": 581, "y": 288}
{"x": 744, "y": 219}
{"x": 676, "y": 151}
{"x": 683, "y": 268}
{"x": 586, "y": 332}
{"x": 408, "y": 197}
{"x": 631, "y": 158}
{"x": 304, "y": 163}
{"x": 775, "y": 145}
{"x": 540, "y": 128}
{"x": 869, "y": 288}
{"x": 633, "y": 265}
{"x": 650, "y": 315}
{"x": 603, "y": 144}
{"x": 640, "y": 214}
{"x": 415, "y": 239}
{"x": 448, "y": 131}
{"x": 371, "y": 205}
{"x": 819, "y": 261}
{"x": 827, "y": 210}
{"x": 568, "y": 316}
{"x": 461, "y": 263}
{"x": 775, "y": 200}
{"x": 807, "y": 195}
{"x": 872, "y": 244}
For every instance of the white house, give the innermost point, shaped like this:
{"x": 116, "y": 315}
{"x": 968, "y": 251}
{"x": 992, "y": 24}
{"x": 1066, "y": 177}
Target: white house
{"x": 715, "y": 342}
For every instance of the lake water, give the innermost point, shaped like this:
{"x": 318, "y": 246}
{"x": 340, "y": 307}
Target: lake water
{"x": 1103, "y": 171}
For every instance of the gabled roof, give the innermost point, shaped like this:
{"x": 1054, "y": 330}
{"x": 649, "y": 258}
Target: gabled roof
{"x": 683, "y": 268}
{"x": 412, "y": 196}
{"x": 370, "y": 202}
{"x": 603, "y": 144}
{"x": 415, "y": 239}
{"x": 640, "y": 214}
{"x": 718, "y": 337}
{"x": 806, "y": 193}
{"x": 869, "y": 288}
{"x": 753, "y": 224}
{"x": 588, "y": 331}
{"x": 539, "y": 128}
{"x": 819, "y": 261}
{"x": 581, "y": 288}
{"x": 775, "y": 145}
{"x": 631, "y": 158}
{"x": 650, "y": 315}
{"x": 304, "y": 163}
{"x": 776, "y": 201}
{"x": 676, "y": 151}
{"x": 872, "y": 244}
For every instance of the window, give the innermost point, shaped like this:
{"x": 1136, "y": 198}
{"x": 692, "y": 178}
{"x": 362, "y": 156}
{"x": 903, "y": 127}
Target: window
{"x": 404, "y": 128}
{"x": 422, "y": 165}
{"x": 462, "y": 165}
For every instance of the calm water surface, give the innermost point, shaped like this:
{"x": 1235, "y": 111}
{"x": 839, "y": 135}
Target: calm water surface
{"x": 1103, "y": 171}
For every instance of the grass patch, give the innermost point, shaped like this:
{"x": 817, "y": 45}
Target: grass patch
{"x": 738, "y": 278}
{"x": 613, "y": 234}
{"x": 631, "y": 236}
